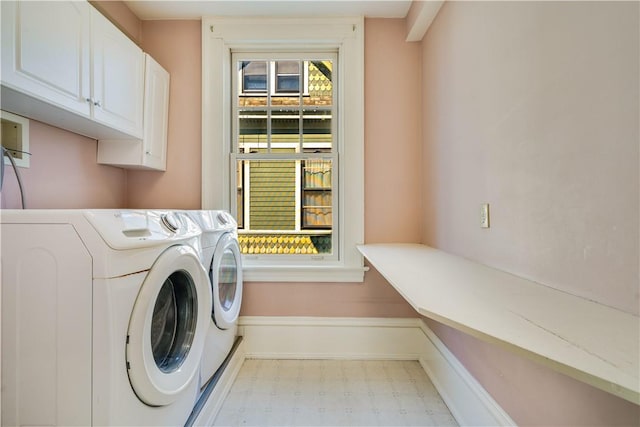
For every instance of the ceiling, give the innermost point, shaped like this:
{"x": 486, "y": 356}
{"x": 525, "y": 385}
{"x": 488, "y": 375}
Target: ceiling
{"x": 195, "y": 9}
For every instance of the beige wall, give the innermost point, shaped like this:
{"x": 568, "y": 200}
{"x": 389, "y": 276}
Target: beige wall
{"x": 533, "y": 108}
{"x": 64, "y": 174}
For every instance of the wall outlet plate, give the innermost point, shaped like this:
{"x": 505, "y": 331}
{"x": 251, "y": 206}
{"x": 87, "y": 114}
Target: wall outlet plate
{"x": 15, "y": 138}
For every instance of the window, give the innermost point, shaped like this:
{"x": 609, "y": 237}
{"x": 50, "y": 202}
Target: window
{"x": 283, "y": 151}
{"x": 283, "y": 143}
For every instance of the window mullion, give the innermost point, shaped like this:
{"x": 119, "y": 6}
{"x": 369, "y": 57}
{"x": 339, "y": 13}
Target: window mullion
{"x": 299, "y": 149}
{"x": 270, "y": 77}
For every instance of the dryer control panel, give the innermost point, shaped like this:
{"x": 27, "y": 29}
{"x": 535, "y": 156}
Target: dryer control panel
{"x": 214, "y": 223}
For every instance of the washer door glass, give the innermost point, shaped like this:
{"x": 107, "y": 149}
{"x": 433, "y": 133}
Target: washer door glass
{"x": 168, "y": 327}
{"x": 226, "y": 282}
{"x": 173, "y": 323}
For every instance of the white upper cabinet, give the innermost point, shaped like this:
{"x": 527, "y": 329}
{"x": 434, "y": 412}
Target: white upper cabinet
{"x": 118, "y": 70}
{"x": 150, "y": 152}
{"x": 65, "y": 64}
{"x": 45, "y": 51}
{"x": 156, "y": 113}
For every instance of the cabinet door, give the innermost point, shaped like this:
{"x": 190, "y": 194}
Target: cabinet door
{"x": 117, "y": 77}
{"x": 45, "y": 51}
{"x": 156, "y": 114}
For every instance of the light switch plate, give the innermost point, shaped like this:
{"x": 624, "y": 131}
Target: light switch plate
{"x": 484, "y": 215}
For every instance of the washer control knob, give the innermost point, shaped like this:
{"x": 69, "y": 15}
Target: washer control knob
{"x": 170, "y": 222}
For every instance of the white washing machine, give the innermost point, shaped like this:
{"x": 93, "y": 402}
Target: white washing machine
{"x": 104, "y": 317}
{"x": 221, "y": 258}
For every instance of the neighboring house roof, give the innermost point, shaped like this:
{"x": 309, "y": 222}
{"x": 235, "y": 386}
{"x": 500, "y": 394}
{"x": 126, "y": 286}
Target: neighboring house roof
{"x": 276, "y": 244}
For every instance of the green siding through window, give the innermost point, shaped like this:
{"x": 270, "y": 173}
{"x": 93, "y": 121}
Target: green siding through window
{"x": 273, "y": 195}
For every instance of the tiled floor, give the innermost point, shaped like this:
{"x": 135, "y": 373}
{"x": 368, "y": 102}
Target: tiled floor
{"x": 333, "y": 392}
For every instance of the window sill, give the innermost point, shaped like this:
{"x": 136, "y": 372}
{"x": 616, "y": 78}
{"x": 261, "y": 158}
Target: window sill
{"x": 302, "y": 273}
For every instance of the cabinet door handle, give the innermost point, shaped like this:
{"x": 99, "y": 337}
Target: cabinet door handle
{"x": 89, "y": 100}
{"x": 97, "y": 104}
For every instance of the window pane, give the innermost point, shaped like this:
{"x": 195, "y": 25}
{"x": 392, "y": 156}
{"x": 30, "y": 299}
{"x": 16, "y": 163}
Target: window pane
{"x": 288, "y": 83}
{"x": 252, "y": 77}
{"x": 317, "y": 174}
{"x": 288, "y": 206}
{"x": 285, "y": 129}
{"x": 320, "y": 89}
{"x": 285, "y": 244}
{"x": 252, "y": 101}
{"x": 278, "y": 100}
{"x": 252, "y": 130}
{"x": 317, "y": 202}
{"x": 272, "y": 194}
{"x": 316, "y": 127}
{"x": 287, "y": 67}
{"x": 255, "y": 83}
{"x": 287, "y": 76}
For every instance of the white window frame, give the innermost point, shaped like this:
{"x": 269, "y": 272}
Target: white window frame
{"x": 346, "y": 35}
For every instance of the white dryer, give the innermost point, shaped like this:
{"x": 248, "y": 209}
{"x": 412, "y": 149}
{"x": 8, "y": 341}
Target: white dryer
{"x": 104, "y": 317}
{"x": 221, "y": 258}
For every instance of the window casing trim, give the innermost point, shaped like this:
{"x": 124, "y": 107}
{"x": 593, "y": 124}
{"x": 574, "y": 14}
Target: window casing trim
{"x": 222, "y": 35}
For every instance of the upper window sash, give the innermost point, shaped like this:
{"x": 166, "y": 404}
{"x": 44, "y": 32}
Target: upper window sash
{"x": 312, "y": 109}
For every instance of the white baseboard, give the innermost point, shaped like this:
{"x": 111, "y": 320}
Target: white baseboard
{"x": 329, "y": 338}
{"x": 373, "y": 338}
{"x": 468, "y": 401}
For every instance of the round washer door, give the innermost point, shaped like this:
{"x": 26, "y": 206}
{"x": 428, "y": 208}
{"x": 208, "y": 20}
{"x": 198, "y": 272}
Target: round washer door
{"x": 226, "y": 282}
{"x": 168, "y": 327}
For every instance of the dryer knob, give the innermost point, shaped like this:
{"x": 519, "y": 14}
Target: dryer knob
{"x": 223, "y": 219}
{"x": 170, "y": 222}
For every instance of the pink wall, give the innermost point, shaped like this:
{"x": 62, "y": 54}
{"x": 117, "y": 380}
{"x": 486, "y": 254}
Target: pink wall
{"x": 533, "y": 108}
{"x": 120, "y": 14}
{"x": 532, "y": 394}
{"x": 392, "y": 181}
{"x": 373, "y": 298}
{"x": 64, "y": 174}
{"x": 176, "y": 46}
{"x": 393, "y": 165}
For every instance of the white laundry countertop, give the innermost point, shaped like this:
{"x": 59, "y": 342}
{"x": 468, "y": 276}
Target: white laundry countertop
{"x": 591, "y": 342}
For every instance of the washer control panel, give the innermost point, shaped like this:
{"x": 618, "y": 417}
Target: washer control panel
{"x": 125, "y": 229}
